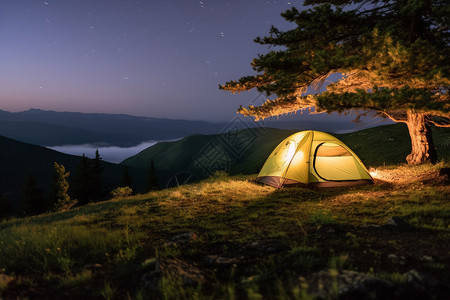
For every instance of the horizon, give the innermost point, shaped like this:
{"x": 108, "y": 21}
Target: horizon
{"x": 365, "y": 121}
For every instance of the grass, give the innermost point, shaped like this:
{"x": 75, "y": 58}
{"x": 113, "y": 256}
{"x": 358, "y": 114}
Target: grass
{"x": 268, "y": 240}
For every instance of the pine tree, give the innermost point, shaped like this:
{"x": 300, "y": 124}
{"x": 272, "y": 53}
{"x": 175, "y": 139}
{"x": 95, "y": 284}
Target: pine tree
{"x": 98, "y": 189}
{"x": 33, "y": 201}
{"x": 58, "y": 198}
{"x": 81, "y": 185}
{"x": 394, "y": 57}
{"x": 152, "y": 180}
{"x": 126, "y": 180}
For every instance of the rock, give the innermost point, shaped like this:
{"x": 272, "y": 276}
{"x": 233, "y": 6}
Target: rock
{"x": 222, "y": 261}
{"x": 393, "y": 257}
{"x": 400, "y": 223}
{"x": 350, "y": 285}
{"x": 420, "y": 281}
{"x": 401, "y": 260}
{"x": 182, "y": 238}
{"x": 264, "y": 246}
{"x": 370, "y": 226}
{"x": 346, "y": 284}
{"x": 426, "y": 258}
{"x": 190, "y": 273}
{"x": 93, "y": 267}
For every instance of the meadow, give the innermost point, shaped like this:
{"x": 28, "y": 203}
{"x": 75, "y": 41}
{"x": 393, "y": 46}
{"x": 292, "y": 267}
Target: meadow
{"x": 229, "y": 238}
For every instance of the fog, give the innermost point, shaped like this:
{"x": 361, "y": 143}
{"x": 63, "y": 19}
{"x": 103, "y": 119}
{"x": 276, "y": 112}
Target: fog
{"x": 111, "y": 154}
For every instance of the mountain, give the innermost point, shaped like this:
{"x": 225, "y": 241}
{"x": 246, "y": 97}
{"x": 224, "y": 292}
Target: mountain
{"x": 18, "y": 160}
{"x": 50, "y": 128}
{"x": 245, "y": 151}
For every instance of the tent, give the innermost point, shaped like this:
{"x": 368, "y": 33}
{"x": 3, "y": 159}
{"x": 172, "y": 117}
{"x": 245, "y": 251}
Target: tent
{"x": 315, "y": 159}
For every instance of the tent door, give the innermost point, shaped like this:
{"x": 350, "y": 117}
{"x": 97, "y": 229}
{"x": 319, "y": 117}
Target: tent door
{"x": 332, "y": 162}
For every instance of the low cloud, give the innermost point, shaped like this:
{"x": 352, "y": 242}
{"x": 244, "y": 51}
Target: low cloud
{"x": 112, "y": 154}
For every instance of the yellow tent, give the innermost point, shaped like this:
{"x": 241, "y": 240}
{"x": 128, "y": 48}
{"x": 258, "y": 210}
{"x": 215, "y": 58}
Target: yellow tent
{"x": 313, "y": 158}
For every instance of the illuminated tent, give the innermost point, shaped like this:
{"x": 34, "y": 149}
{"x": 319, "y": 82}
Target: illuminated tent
{"x": 313, "y": 158}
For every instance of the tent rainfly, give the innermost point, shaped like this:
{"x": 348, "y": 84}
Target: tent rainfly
{"x": 314, "y": 159}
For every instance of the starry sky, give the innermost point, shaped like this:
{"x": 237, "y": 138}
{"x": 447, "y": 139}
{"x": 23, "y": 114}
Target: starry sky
{"x": 156, "y": 58}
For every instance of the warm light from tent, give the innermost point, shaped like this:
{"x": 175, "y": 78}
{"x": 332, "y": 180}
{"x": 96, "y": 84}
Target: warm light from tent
{"x": 290, "y": 152}
{"x": 373, "y": 172}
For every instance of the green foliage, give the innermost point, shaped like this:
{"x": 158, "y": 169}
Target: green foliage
{"x": 87, "y": 185}
{"x": 393, "y": 56}
{"x": 393, "y": 60}
{"x": 107, "y": 292}
{"x": 127, "y": 179}
{"x": 98, "y": 189}
{"x": 119, "y": 192}
{"x": 305, "y": 258}
{"x": 59, "y": 199}
{"x": 81, "y": 184}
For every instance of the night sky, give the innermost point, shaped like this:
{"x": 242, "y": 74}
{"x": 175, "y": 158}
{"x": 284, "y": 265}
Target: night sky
{"x": 157, "y": 58}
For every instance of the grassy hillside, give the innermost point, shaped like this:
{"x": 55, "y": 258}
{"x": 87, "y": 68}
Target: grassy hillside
{"x": 228, "y": 238}
{"x": 18, "y": 160}
{"x": 390, "y": 144}
{"x": 245, "y": 151}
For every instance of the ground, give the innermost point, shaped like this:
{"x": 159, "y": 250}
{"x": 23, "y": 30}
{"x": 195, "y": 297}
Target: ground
{"x": 229, "y": 238}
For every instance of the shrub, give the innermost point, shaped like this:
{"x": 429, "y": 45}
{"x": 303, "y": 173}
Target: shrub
{"x": 121, "y": 192}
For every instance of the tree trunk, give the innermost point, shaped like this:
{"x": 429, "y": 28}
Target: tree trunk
{"x": 423, "y": 149}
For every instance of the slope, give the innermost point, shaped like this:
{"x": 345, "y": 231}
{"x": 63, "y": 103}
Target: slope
{"x": 18, "y": 160}
{"x": 228, "y": 238}
{"x": 245, "y": 151}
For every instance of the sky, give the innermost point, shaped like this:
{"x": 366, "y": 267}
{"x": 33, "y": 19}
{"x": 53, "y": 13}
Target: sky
{"x": 155, "y": 58}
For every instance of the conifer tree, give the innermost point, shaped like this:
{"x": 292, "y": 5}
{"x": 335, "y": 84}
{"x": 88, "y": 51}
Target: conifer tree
{"x": 81, "y": 185}
{"x": 98, "y": 189}
{"x": 126, "y": 180}
{"x": 58, "y": 198}
{"x": 33, "y": 201}
{"x": 152, "y": 180}
{"x": 393, "y": 55}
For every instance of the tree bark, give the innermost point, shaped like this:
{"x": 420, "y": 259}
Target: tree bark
{"x": 423, "y": 149}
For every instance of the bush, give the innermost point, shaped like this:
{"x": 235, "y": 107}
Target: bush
{"x": 121, "y": 192}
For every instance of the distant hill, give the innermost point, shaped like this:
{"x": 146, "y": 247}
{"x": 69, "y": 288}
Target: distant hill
{"x": 245, "y": 151}
{"x": 18, "y": 160}
{"x": 50, "y": 128}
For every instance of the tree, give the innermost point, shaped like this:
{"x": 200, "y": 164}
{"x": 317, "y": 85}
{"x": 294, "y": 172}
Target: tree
{"x": 393, "y": 57}
{"x": 59, "y": 200}
{"x": 126, "y": 180}
{"x": 98, "y": 189}
{"x": 87, "y": 184}
{"x": 152, "y": 180}
{"x": 33, "y": 201}
{"x": 81, "y": 185}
